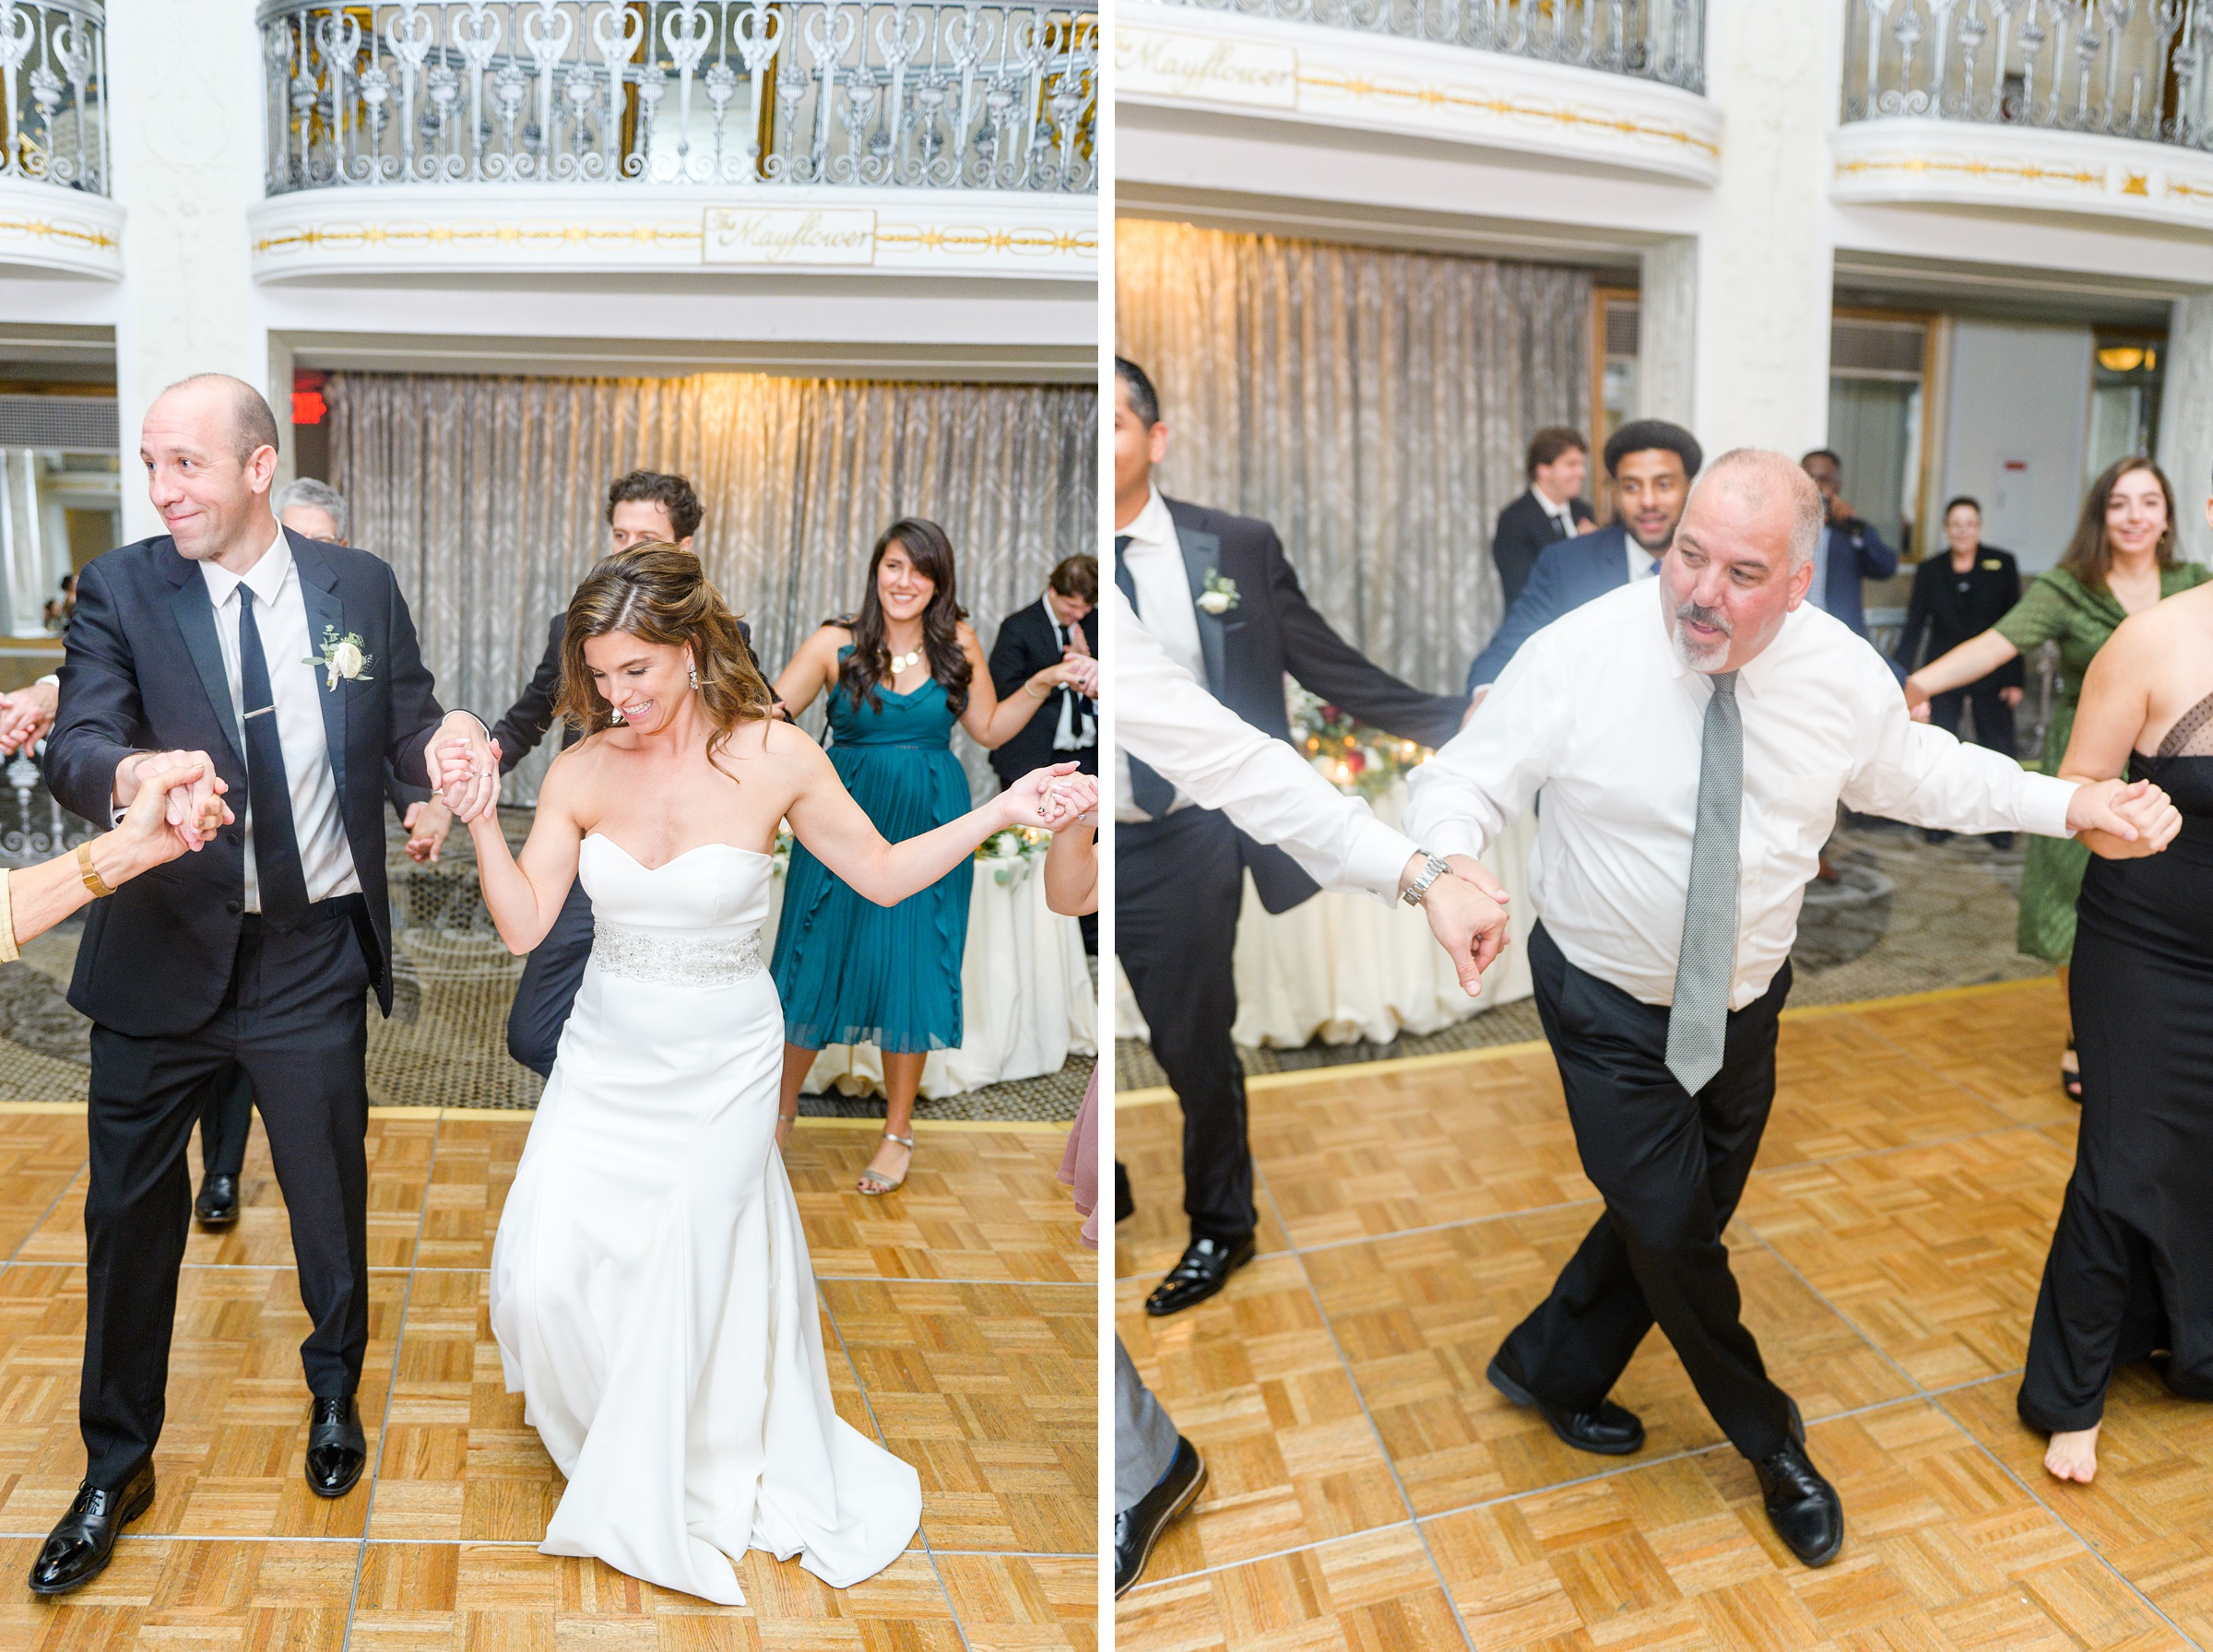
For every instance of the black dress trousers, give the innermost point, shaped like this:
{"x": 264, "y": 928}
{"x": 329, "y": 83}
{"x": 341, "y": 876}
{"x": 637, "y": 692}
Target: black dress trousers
{"x": 226, "y": 1122}
{"x": 548, "y": 990}
{"x": 1671, "y": 1167}
{"x": 295, "y": 1019}
{"x": 1178, "y": 882}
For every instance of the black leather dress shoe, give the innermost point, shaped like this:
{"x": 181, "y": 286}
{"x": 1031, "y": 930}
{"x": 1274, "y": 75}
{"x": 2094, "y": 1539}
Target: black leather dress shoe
{"x": 76, "y": 1550}
{"x": 1611, "y": 1430}
{"x": 218, "y": 1205}
{"x": 1137, "y": 1529}
{"x": 335, "y": 1446}
{"x": 1801, "y": 1507}
{"x": 1205, "y": 1268}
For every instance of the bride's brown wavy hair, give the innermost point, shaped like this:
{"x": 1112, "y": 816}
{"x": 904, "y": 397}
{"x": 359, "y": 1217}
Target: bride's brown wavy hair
{"x": 658, "y": 594}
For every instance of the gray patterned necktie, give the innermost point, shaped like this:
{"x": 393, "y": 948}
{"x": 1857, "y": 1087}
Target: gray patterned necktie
{"x": 1707, "y": 963}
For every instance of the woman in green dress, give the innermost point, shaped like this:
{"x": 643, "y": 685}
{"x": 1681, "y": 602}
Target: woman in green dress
{"x": 2121, "y": 561}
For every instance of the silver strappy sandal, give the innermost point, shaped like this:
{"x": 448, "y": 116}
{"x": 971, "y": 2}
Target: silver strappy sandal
{"x": 874, "y": 1183}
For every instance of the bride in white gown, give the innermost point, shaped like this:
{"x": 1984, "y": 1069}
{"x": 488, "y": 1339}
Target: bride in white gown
{"x": 651, "y": 1291}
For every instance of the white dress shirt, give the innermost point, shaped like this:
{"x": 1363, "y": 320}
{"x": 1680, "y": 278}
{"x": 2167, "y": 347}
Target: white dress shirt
{"x": 1644, "y": 564}
{"x": 1221, "y": 762}
{"x": 1563, "y": 515}
{"x": 1597, "y": 709}
{"x": 296, "y": 687}
{"x": 1155, "y": 558}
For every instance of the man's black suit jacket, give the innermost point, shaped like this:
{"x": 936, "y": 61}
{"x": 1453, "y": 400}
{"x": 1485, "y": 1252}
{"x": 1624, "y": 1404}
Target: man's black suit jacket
{"x": 1524, "y": 530}
{"x": 527, "y": 719}
{"x": 1025, "y": 646}
{"x": 142, "y": 671}
{"x": 1273, "y": 630}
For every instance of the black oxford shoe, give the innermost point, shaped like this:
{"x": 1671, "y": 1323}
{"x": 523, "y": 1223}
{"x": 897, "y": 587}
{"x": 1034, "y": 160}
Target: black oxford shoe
{"x": 335, "y": 1446}
{"x": 77, "y": 1550}
{"x": 1611, "y": 1430}
{"x": 218, "y": 1205}
{"x": 1137, "y": 1529}
{"x": 1205, "y": 1268}
{"x": 1801, "y": 1507}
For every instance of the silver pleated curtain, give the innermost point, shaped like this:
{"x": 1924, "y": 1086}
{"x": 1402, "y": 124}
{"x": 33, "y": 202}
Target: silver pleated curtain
{"x": 1374, "y": 406}
{"x": 487, "y": 496}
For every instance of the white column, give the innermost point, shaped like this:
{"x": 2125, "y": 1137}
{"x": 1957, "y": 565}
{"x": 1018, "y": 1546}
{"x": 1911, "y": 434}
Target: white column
{"x": 187, "y": 82}
{"x": 1765, "y": 267}
{"x": 2186, "y": 420}
{"x": 1667, "y": 331}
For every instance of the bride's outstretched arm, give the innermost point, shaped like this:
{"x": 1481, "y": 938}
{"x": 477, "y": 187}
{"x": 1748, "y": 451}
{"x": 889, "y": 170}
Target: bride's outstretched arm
{"x": 525, "y": 896}
{"x": 824, "y": 817}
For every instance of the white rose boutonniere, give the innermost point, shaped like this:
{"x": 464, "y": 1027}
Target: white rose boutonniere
{"x": 1220, "y": 596}
{"x": 342, "y": 658}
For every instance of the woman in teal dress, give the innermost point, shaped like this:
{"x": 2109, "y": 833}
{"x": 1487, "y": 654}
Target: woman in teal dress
{"x": 900, "y": 674}
{"x": 2121, "y": 561}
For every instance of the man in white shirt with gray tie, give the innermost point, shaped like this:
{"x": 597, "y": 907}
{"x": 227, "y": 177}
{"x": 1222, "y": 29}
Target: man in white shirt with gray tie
{"x": 1693, "y": 735}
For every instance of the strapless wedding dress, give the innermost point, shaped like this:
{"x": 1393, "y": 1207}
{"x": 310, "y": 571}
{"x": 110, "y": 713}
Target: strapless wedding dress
{"x": 651, "y": 1293}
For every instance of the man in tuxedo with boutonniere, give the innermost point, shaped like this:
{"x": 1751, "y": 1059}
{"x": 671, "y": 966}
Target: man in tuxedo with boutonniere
{"x": 1217, "y": 592}
{"x": 290, "y": 669}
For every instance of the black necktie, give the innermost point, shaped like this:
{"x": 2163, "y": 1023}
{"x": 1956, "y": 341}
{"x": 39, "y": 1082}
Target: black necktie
{"x": 275, "y": 844}
{"x": 1148, "y": 789}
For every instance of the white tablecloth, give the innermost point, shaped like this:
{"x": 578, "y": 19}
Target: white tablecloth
{"x": 1346, "y": 967}
{"x": 1027, "y": 1001}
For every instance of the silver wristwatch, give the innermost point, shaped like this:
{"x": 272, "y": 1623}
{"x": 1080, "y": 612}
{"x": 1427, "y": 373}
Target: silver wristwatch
{"x": 1436, "y": 869}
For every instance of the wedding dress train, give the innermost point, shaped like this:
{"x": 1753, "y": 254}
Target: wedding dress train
{"x": 651, "y": 1291}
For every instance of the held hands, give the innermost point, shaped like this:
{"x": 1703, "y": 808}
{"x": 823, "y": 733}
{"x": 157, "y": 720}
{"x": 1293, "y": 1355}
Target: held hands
{"x": 473, "y": 793}
{"x": 25, "y": 716}
{"x": 1917, "y": 700}
{"x": 468, "y": 782}
{"x": 1467, "y": 914}
{"x": 1083, "y": 672}
{"x": 146, "y": 833}
{"x": 2123, "y": 821}
{"x": 194, "y": 810}
{"x": 1048, "y": 800}
{"x": 427, "y": 823}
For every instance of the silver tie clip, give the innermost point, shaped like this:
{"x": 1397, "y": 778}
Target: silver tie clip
{"x": 263, "y": 712}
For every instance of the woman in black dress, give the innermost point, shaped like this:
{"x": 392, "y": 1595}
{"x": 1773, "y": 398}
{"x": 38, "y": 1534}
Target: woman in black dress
{"x": 2131, "y": 1269}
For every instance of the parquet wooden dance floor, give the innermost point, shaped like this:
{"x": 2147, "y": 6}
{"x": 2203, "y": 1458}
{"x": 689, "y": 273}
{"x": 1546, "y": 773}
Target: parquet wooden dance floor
{"x": 959, "y": 1317}
{"x": 1369, "y": 1490}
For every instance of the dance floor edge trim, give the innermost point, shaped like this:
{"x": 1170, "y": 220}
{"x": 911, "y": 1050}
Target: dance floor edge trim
{"x": 1338, "y": 1072}
{"x": 986, "y": 1126}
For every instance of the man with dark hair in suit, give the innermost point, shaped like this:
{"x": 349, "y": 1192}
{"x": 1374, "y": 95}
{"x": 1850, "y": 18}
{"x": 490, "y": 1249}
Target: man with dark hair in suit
{"x": 1851, "y": 549}
{"x": 288, "y": 669}
{"x": 1552, "y": 508}
{"x": 643, "y": 508}
{"x": 1067, "y": 725}
{"x": 1218, "y": 594}
{"x": 1650, "y": 464}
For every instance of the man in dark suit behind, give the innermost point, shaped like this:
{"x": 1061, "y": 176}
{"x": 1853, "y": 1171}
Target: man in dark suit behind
{"x": 1650, "y": 466}
{"x": 1030, "y": 640}
{"x": 1552, "y": 509}
{"x": 1067, "y": 724}
{"x": 1219, "y": 595}
{"x": 288, "y": 669}
{"x": 1850, "y": 549}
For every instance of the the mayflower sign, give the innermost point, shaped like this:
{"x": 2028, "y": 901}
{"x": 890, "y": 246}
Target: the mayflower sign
{"x": 768, "y": 235}
{"x": 1205, "y": 67}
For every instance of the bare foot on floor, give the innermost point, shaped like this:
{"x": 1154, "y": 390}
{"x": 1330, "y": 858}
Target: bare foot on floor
{"x": 2074, "y": 1454}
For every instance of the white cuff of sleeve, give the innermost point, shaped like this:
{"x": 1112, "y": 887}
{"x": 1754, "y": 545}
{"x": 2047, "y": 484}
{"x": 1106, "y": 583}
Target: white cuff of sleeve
{"x": 50, "y": 679}
{"x": 1377, "y": 859}
{"x": 1453, "y": 837}
{"x": 2045, "y": 805}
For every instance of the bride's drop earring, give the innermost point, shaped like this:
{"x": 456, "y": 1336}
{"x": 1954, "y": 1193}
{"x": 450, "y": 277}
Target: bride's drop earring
{"x": 692, "y": 672}
{"x": 614, "y": 713}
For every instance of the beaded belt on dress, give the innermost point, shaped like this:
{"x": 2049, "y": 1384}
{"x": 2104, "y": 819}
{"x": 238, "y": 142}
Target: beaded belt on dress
{"x": 675, "y": 960}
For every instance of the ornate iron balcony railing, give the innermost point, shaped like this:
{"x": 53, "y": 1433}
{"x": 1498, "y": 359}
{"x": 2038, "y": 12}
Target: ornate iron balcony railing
{"x": 2128, "y": 68}
{"x": 53, "y": 74}
{"x": 1653, "y": 40}
{"x": 971, "y": 94}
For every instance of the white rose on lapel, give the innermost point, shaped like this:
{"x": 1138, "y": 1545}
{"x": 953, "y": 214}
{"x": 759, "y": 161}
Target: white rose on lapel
{"x": 1220, "y": 596}
{"x": 342, "y": 658}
